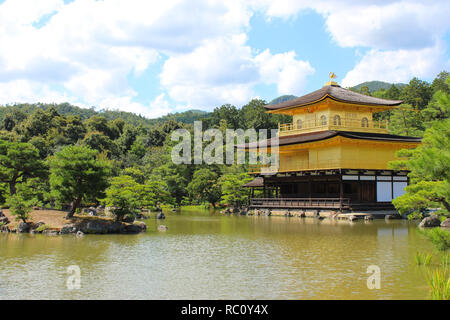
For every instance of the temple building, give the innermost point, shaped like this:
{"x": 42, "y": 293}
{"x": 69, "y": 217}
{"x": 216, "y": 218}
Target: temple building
{"x": 333, "y": 154}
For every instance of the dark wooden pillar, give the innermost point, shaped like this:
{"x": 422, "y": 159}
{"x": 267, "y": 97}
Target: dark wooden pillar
{"x": 341, "y": 192}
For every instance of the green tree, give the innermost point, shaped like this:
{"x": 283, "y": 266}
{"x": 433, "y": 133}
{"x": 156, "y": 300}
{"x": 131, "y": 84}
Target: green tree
{"x": 440, "y": 83}
{"x": 406, "y": 121}
{"x": 439, "y": 106}
{"x": 417, "y": 93}
{"x": 123, "y": 195}
{"x": 12, "y": 119}
{"x": 19, "y": 161}
{"x": 77, "y": 172}
{"x": 204, "y": 185}
{"x": 429, "y": 166}
{"x": 21, "y": 203}
{"x": 232, "y": 191}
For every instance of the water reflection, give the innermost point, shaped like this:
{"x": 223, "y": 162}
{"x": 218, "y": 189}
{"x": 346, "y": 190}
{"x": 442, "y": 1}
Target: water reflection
{"x": 208, "y": 256}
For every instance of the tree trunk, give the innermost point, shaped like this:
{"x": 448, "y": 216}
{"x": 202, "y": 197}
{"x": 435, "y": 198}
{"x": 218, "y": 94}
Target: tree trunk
{"x": 75, "y": 205}
{"x": 12, "y": 188}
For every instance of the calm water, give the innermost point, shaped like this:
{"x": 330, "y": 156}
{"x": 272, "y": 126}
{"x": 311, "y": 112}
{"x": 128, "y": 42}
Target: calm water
{"x": 205, "y": 256}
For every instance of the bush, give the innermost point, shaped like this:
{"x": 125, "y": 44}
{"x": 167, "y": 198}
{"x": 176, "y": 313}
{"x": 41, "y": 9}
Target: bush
{"x": 440, "y": 238}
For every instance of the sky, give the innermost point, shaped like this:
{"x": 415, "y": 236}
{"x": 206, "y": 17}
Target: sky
{"x": 158, "y": 57}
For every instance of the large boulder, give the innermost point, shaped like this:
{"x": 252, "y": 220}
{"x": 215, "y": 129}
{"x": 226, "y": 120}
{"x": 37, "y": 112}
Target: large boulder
{"x": 4, "y": 228}
{"x": 94, "y": 227}
{"x": 446, "y": 223}
{"x": 132, "y": 228}
{"x": 129, "y": 218}
{"x": 23, "y": 227}
{"x": 109, "y": 212}
{"x": 92, "y": 211}
{"x": 431, "y": 221}
{"x": 69, "y": 228}
{"x": 160, "y": 216}
{"x": 115, "y": 227}
{"x": 4, "y": 220}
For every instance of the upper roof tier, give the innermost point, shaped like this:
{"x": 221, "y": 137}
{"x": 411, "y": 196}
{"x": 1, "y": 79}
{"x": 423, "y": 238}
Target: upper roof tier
{"x": 334, "y": 92}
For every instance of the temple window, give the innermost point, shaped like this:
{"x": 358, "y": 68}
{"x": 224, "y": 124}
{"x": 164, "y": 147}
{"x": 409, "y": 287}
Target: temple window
{"x": 337, "y": 120}
{"x": 323, "y": 120}
{"x": 299, "y": 124}
{"x": 364, "y": 122}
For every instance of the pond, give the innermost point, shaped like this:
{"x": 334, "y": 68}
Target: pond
{"x": 212, "y": 256}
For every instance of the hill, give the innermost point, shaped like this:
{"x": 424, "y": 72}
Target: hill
{"x": 67, "y": 109}
{"x": 283, "y": 99}
{"x": 377, "y": 85}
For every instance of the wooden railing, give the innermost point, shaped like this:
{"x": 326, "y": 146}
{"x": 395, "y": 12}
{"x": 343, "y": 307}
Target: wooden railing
{"x": 318, "y": 203}
{"x": 359, "y": 125}
{"x": 293, "y": 166}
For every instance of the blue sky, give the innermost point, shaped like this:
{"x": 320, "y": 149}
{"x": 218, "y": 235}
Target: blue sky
{"x": 153, "y": 57}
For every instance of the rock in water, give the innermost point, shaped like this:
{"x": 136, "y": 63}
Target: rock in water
{"x": 431, "y": 221}
{"x": 162, "y": 228}
{"x": 23, "y": 227}
{"x": 68, "y": 228}
{"x": 160, "y": 216}
{"x": 80, "y": 234}
{"x": 446, "y": 223}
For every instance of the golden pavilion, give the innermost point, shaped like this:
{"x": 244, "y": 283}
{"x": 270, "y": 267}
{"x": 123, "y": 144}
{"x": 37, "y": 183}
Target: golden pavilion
{"x": 333, "y": 155}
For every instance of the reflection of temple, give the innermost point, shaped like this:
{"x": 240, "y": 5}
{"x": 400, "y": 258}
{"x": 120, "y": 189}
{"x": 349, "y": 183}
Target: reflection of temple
{"x": 333, "y": 154}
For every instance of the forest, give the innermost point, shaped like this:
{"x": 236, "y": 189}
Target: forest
{"x": 62, "y": 156}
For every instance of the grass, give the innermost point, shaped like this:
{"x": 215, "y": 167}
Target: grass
{"x": 439, "y": 283}
{"x": 423, "y": 258}
{"x": 42, "y": 228}
{"x": 445, "y": 261}
{"x": 440, "y": 238}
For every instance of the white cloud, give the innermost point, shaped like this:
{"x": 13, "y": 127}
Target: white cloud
{"x": 225, "y": 70}
{"x": 283, "y": 69}
{"x": 86, "y": 50}
{"x": 89, "y": 48}
{"x": 398, "y": 65}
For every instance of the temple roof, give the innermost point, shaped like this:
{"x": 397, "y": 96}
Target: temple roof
{"x": 322, "y": 135}
{"x": 334, "y": 92}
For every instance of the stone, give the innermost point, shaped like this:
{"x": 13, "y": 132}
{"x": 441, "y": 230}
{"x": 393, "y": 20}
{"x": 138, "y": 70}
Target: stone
{"x": 446, "y": 223}
{"x": 393, "y": 217}
{"x": 368, "y": 217}
{"x": 160, "y": 216}
{"x": 50, "y": 232}
{"x": 94, "y": 227}
{"x": 115, "y": 227}
{"x": 4, "y": 220}
{"x": 23, "y": 227}
{"x": 40, "y": 223}
{"x": 4, "y": 228}
{"x": 80, "y": 234}
{"x": 129, "y": 218}
{"x": 132, "y": 228}
{"x": 430, "y": 222}
{"x": 69, "y": 228}
{"x": 109, "y": 212}
{"x": 141, "y": 225}
{"x": 1, "y": 213}
{"x": 352, "y": 218}
{"x": 162, "y": 228}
